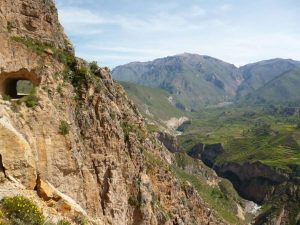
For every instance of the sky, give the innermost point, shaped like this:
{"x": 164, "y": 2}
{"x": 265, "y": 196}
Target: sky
{"x": 116, "y": 32}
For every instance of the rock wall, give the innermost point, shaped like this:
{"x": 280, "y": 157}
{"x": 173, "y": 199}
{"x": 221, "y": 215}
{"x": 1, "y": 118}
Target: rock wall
{"x": 169, "y": 141}
{"x": 258, "y": 182}
{"x": 206, "y": 153}
{"x": 254, "y": 181}
{"x": 36, "y": 19}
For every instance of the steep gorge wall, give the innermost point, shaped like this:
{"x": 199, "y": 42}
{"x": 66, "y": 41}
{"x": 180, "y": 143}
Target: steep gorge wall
{"x": 278, "y": 190}
{"x": 37, "y": 19}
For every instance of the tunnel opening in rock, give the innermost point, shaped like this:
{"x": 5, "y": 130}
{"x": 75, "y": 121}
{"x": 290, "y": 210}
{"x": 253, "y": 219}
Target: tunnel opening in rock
{"x": 16, "y": 89}
{"x": 16, "y": 85}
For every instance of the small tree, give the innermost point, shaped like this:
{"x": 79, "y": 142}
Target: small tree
{"x": 64, "y": 127}
{"x": 94, "y": 67}
{"x": 32, "y": 100}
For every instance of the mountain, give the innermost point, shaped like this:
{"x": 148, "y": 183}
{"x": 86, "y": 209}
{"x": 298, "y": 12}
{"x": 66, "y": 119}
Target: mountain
{"x": 261, "y": 76}
{"x": 193, "y": 80}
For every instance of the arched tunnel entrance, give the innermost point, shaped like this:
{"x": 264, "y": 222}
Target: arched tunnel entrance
{"x": 15, "y": 88}
{"x": 18, "y": 84}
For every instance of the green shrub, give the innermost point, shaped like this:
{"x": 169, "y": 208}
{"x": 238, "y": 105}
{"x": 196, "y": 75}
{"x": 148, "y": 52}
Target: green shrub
{"x": 20, "y": 210}
{"x": 6, "y": 98}
{"x": 59, "y": 89}
{"x": 84, "y": 221}
{"x": 63, "y": 222}
{"x": 94, "y": 67}
{"x": 49, "y": 223}
{"x": 38, "y": 47}
{"x": 3, "y": 220}
{"x": 64, "y": 127}
{"x": 107, "y": 69}
{"x": 31, "y": 100}
{"x": 127, "y": 128}
{"x": 133, "y": 201}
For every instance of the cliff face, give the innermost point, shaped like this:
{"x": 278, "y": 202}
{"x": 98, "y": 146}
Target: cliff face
{"x": 82, "y": 149}
{"x": 36, "y": 19}
{"x": 275, "y": 189}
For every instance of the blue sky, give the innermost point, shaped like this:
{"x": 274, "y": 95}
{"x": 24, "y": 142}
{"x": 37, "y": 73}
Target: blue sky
{"x": 115, "y": 32}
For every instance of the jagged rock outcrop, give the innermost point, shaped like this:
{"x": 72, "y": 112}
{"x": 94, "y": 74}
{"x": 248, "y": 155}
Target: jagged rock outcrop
{"x": 81, "y": 144}
{"x": 259, "y": 183}
{"x": 169, "y": 141}
{"x": 206, "y": 153}
{"x": 36, "y": 19}
{"x": 254, "y": 181}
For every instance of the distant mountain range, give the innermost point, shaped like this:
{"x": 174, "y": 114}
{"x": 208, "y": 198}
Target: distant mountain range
{"x": 192, "y": 81}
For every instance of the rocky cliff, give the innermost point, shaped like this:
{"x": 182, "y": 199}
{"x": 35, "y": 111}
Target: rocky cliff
{"x": 76, "y": 145}
{"x": 36, "y": 19}
{"x": 275, "y": 189}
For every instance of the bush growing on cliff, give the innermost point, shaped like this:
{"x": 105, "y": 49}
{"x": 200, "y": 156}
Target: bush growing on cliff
{"x": 20, "y": 210}
{"x": 38, "y": 47}
{"x": 64, "y": 127}
{"x": 63, "y": 222}
{"x": 94, "y": 67}
{"x": 130, "y": 128}
{"x": 31, "y": 100}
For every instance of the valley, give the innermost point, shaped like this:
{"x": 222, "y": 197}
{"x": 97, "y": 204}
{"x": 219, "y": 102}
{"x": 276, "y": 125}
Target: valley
{"x": 186, "y": 139}
{"x": 254, "y": 142}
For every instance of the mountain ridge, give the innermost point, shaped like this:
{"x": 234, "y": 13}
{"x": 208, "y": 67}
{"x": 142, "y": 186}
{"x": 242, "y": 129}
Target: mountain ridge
{"x": 193, "y": 79}
{"x": 185, "y": 75}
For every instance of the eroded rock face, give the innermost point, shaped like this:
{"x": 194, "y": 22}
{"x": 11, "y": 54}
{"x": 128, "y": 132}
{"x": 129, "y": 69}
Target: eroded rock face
{"x": 100, "y": 164}
{"x": 169, "y": 141}
{"x": 254, "y": 181}
{"x": 206, "y": 152}
{"x": 36, "y": 19}
{"x": 259, "y": 183}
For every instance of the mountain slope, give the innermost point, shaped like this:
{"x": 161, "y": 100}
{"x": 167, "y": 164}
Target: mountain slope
{"x": 259, "y": 74}
{"x": 193, "y": 80}
{"x": 152, "y": 102}
{"x": 282, "y": 89}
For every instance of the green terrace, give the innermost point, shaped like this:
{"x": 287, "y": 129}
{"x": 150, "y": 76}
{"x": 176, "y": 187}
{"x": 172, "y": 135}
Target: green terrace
{"x": 248, "y": 134}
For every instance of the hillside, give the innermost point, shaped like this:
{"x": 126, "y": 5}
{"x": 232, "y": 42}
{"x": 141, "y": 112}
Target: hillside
{"x": 254, "y": 142}
{"x": 193, "y": 80}
{"x": 154, "y": 103}
{"x": 257, "y": 149}
{"x": 280, "y": 90}
{"x": 258, "y": 75}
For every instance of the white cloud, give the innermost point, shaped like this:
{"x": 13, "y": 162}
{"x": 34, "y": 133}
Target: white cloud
{"x": 73, "y": 15}
{"x": 126, "y": 50}
{"x": 197, "y": 11}
{"x": 226, "y": 7}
